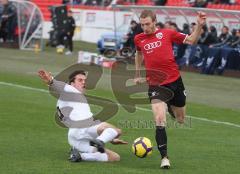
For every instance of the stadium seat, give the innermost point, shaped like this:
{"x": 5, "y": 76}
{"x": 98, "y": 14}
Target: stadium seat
{"x": 182, "y": 3}
{"x": 144, "y": 2}
{"x": 224, "y": 6}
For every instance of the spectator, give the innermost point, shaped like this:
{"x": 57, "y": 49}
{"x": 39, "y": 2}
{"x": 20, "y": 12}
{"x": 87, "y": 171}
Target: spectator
{"x": 9, "y": 20}
{"x": 179, "y": 49}
{"x": 70, "y": 32}
{"x": 160, "y": 25}
{"x": 174, "y": 26}
{"x": 205, "y": 38}
{"x": 213, "y": 33}
{"x": 135, "y": 29}
{"x": 186, "y": 29}
{"x": 234, "y": 39}
{"x": 171, "y": 25}
{"x": 167, "y": 24}
{"x": 236, "y": 44}
{"x": 223, "y": 38}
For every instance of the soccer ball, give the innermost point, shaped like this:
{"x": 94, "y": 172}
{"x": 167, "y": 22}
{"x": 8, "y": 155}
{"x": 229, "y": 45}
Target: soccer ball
{"x": 142, "y": 147}
{"x": 60, "y": 49}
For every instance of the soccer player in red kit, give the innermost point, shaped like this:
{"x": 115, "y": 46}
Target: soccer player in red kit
{"x": 154, "y": 46}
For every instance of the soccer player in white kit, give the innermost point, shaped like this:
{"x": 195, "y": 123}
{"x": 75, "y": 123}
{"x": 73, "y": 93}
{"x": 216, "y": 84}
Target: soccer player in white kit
{"x": 87, "y": 143}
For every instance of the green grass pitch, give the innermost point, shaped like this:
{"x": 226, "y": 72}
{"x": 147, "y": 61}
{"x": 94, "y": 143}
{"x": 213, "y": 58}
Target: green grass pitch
{"x": 32, "y": 143}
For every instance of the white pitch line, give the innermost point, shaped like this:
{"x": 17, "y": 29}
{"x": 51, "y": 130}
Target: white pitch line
{"x": 201, "y": 119}
{"x": 215, "y": 121}
{"x": 139, "y": 108}
{"x": 24, "y": 87}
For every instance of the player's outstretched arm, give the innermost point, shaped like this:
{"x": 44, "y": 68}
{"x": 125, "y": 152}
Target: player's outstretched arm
{"x": 201, "y": 21}
{"x": 56, "y": 88}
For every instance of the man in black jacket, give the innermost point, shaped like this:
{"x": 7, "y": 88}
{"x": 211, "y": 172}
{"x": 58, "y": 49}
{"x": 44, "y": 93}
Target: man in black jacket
{"x": 135, "y": 29}
{"x": 224, "y": 38}
{"x": 8, "y": 20}
{"x": 70, "y": 32}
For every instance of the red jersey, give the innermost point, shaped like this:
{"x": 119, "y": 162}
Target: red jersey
{"x": 157, "y": 51}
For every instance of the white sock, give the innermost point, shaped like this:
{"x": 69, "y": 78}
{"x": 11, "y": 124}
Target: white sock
{"x": 97, "y": 156}
{"x": 108, "y": 135}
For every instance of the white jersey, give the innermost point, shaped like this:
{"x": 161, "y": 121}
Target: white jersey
{"x": 69, "y": 97}
{"x": 81, "y": 110}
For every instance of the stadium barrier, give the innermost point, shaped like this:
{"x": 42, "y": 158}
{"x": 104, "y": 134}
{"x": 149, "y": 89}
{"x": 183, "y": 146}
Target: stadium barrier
{"x": 91, "y": 24}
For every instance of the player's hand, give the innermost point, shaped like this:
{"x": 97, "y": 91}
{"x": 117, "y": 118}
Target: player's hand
{"x": 118, "y": 141}
{"x": 45, "y": 76}
{"x": 201, "y": 18}
{"x": 139, "y": 80}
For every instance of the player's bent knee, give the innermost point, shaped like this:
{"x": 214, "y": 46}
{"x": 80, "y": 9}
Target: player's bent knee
{"x": 102, "y": 127}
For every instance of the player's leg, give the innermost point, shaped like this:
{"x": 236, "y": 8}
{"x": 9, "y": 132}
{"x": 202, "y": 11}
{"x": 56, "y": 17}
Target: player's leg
{"x": 108, "y": 156}
{"x": 105, "y": 127}
{"x": 112, "y": 156}
{"x": 95, "y": 156}
{"x": 159, "y": 111}
{"x": 82, "y": 151}
{"x": 158, "y": 108}
{"x": 105, "y": 133}
{"x": 177, "y": 103}
{"x": 180, "y": 113}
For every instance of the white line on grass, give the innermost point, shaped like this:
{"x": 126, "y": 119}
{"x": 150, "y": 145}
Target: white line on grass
{"x": 202, "y": 119}
{"x": 23, "y": 87}
{"x": 139, "y": 108}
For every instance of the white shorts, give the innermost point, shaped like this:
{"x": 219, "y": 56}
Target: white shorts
{"x": 80, "y": 138}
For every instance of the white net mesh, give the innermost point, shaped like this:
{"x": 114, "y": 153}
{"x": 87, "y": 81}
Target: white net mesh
{"x": 29, "y": 25}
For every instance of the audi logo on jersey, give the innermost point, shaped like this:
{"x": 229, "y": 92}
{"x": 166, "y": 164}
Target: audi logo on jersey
{"x": 152, "y": 45}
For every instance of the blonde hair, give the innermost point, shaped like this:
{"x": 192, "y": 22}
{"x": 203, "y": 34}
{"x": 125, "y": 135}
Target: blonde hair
{"x": 148, "y": 13}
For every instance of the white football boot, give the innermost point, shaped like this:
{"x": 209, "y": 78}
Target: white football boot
{"x": 165, "y": 163}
